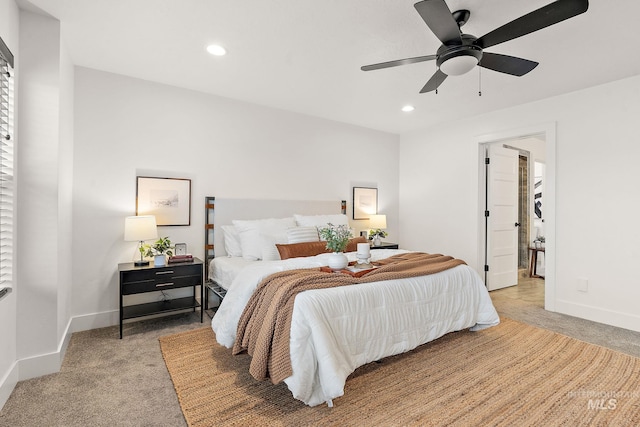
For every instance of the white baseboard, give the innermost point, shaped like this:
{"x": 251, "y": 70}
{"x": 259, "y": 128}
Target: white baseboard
{"x": 600, "y": 315}
{"x": 35, "y": 366}
{"x": 45, "y": 364}
{"x": 87, "y": 322}
{"x": 8, "y": 383}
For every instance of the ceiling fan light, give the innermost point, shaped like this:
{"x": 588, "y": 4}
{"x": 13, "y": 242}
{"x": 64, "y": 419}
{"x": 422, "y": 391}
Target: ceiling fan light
{"x": 458, "y": 65}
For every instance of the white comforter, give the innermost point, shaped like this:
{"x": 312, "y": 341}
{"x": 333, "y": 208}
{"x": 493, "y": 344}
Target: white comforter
{"x": 336, "y": 330}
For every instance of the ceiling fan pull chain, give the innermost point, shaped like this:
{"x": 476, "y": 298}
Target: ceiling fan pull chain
{"x": 479, "y": 82}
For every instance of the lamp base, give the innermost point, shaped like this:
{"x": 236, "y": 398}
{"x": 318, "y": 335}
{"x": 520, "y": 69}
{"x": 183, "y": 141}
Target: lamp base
{"x": 140, "y": 263}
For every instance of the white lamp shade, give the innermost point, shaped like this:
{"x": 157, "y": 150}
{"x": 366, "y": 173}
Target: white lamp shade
{"x": 378, "y": 221}
{"x": 139, "y": 228}
{"x": 458, "y": 65}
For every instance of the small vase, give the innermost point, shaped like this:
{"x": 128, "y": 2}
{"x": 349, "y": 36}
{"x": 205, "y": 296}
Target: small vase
{"x": 338, "y": 261}
{"x": 377, "y": 241}
{"x": 159, "y": 260}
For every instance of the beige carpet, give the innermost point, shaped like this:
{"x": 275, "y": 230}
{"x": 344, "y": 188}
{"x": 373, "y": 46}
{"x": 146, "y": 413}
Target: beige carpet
{"x": 512, "y": 374}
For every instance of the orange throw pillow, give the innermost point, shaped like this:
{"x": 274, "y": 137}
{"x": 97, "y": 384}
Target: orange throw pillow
{"x": 295, "y": 250}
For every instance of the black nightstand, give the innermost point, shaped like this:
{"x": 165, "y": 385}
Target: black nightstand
{"x": 139, "y": 280}
{"x": 385, "y": 245}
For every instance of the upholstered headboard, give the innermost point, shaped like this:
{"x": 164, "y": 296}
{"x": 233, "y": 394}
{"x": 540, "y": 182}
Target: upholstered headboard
{"x": 223, "y": 211}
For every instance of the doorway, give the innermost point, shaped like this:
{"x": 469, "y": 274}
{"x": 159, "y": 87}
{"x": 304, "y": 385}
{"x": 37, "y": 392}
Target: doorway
{"x": 523, "y": 213}
{"x": 539, "y": 141}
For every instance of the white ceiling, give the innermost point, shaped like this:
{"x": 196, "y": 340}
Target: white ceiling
{"x": 305, "y": 56}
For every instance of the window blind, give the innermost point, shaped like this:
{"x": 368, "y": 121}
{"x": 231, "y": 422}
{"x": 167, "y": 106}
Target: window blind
{"x": 6, "y": 169}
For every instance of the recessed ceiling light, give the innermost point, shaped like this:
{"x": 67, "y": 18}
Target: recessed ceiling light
{"x": 216, "y": 50}
{"x": 408, "y": 108}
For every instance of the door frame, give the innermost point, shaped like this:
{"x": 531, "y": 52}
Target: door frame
{"x": 548, "y": 131}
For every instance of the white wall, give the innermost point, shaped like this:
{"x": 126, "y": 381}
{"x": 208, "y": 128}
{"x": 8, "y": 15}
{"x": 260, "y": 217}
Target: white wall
{"x": 65, "y": 194}
{"x": 596, "y": 194}
{"x": 9, "y": 31}
{"x": 126, "y": 127}
{"x": 44, "y": 202}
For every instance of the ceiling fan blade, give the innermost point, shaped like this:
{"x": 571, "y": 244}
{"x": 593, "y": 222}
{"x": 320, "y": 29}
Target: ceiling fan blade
{"x": 507, "y": 64}
{"x": 435, "y": 81}
{"x": 538, "y": 19}
{"x": 398, "y": 62}
{"x": 437, "y": 16}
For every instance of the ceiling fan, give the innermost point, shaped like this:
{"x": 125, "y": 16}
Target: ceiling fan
{"x": 460, "y": 53}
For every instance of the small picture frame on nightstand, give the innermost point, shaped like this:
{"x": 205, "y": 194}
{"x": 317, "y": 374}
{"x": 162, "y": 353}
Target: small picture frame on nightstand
{"x": 181, "y": 248}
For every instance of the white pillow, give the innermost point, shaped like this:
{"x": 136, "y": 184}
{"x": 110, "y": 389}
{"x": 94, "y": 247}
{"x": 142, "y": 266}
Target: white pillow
{"x": 321, "y": 221}
{"x": 302, "y": 234}
{"x": 252, "y": 234}
{"x": 231, "y": 241}
{"x": 268, "y": 245}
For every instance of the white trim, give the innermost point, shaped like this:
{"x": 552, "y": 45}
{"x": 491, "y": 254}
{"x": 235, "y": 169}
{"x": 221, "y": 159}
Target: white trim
{"x": 8, "y": 383}
{"x": 87, "y": 322}
{"x": 34, "y": 366}
{"x": 45, "y": 364}
{"x": 600, "y": 315}
{"x": 549, "y": 131}
{"x": 49, "y": 363}
{"x": 90, "y": 321}
{"x": 37, "y": 366}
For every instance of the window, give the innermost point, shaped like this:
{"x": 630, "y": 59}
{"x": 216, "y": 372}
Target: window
{"x": 6, "y": 168}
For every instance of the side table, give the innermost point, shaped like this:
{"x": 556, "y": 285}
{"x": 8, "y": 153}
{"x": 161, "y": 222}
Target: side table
{"x": 149, "y": 278}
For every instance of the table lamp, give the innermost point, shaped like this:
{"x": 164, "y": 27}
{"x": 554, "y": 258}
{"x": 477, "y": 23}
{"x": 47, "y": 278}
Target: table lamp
{"x": 377, "y": 222}
{"x": 139, "y": 229}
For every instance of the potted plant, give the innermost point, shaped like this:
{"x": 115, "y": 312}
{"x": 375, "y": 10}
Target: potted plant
{"x": 539, "y": 242}
{"x": 337, "y": 237}
{"x": 376, "y": 235}
{"x": 159, "y": 250}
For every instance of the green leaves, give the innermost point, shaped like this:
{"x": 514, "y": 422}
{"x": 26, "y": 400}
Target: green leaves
{"x": 377, "y": 232}
{"x": 337, "y": 237}
{"x": 161, "y": 246}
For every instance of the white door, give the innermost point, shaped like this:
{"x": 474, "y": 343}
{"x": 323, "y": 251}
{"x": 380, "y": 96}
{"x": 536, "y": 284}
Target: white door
{"x": 502, "y": 222}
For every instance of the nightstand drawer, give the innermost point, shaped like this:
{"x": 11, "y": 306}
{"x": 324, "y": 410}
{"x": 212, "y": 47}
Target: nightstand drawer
{"x": 159, "y": 284}
{"x": 161, "y": 273}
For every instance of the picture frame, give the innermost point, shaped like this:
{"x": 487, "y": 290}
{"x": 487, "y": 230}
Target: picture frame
{"x": 169, "y": 199}
{"x": 365, "y": 202}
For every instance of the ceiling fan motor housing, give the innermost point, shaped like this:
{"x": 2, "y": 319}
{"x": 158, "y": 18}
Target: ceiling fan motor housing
{"x": 457, "y": 59}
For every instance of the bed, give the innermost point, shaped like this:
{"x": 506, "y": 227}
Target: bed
{"x": 336, "y": 330}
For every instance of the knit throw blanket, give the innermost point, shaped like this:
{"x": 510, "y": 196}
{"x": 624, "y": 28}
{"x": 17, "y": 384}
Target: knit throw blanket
{"x": 263, "y": 329}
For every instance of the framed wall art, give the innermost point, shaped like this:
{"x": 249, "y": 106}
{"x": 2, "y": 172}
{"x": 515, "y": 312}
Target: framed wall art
{"x": 365, "y": 202}
{"x": 169, "y": 199}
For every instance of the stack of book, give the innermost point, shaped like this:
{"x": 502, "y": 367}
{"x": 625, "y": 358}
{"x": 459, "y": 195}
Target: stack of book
{"x": 180, "y": 258}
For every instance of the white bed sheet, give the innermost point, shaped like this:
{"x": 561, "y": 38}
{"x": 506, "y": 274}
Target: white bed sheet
{"x": 223, "y": 270}
{"x": 336, "y": 330}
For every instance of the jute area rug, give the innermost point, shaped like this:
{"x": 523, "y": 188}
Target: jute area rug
{"x": 510, "y": 375}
